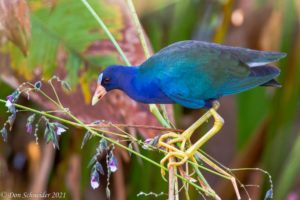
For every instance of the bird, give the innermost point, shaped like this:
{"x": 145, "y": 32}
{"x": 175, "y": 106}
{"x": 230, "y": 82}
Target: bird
{"x": 194, "y": 74}
{"x": 191, "y": 73}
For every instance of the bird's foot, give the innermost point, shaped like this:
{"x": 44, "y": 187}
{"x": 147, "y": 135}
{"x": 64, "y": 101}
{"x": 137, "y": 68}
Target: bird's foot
{"x": 178, "y": 146}
{"x": 182, "y": 156}
{"x": 169, "y": 141}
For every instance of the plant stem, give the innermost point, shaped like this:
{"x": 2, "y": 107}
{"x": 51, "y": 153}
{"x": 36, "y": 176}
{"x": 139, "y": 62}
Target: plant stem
{"x": 138, "y": 126}
{"x": 171, "y": 184}
{"x": 78, "y": 123}
{"x": 176, "y": 191}
{"x": 117, "y": 46}
{"x": 130, "y": 150}
{"x": 55, "y": 93}
{"x": 108, "y": 33}
{"x": 47, "y": 114}
{"x": 155, "y": 111}
{"x": 139, "y": 28}
{"x": 173, "y": 181}
{"x": 152, "y": 107}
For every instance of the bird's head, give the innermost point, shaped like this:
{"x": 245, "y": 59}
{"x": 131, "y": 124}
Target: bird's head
{"x": 113, "y": 77}
{"x": 106, "y": 81}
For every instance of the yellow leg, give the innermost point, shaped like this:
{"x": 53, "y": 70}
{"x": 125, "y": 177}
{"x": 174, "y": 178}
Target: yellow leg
{"x": 172, "y": 154}
{"x": 185, "y": 137}
{"x": 215, "y": 129}
{"x": 188, "y": 132}
{"x": 175, "y": 138}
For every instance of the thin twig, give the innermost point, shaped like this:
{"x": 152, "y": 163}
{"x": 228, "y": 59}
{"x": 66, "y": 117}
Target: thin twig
{"x": 171, "y": 183}
{"x": 81, "y": 124}
{"x": 137, "y": 126}
{"x": 55, "y": 93}
{"x": 176, "y": 184}
{"x": 101, "y": 130}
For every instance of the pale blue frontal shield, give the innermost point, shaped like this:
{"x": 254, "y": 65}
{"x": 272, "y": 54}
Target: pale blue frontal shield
{"x": 100, "y": 78}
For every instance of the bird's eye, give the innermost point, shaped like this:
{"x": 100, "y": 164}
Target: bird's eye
{"x": 106, "y": 80}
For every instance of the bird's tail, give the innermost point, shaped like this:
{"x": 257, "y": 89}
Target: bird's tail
{"x": 272, "y": 83}
{"x": 265, "y": 72}
{"x": 259, "y": 76}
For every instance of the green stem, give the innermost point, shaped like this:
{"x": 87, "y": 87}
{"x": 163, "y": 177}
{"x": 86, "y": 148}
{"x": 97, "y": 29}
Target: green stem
{"x": 133, "y": 152}
{"x": 155, "y": 111}
{"x": 55, "y": 93}
{"x": 139, "y": 28}
{"x": 153, "y": 108}
{"x": 117, "y": 46}
{"x": 108, "y": 33}
{"x": 81, "y": 124}
{"x": 45, "y": 113}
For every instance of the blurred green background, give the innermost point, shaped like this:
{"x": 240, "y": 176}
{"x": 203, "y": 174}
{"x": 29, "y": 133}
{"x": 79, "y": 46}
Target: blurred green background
{"x": 43, "y": 38}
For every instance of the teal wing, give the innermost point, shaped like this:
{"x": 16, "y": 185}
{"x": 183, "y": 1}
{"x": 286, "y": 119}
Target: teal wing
{"x": 262, "y": 75}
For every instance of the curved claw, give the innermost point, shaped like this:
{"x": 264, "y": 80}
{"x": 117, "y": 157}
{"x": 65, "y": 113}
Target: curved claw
{"x": 181, "y": 162}
{"x": 181, "y": 155}
{"x": 163, "y": 173}
{"x": 172, "y": 149}
{"x": 166, "y": 136}
{"x": 174, "y": 138}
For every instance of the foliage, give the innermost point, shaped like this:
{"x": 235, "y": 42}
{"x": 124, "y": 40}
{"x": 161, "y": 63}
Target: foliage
{"x": 71, "y": 38}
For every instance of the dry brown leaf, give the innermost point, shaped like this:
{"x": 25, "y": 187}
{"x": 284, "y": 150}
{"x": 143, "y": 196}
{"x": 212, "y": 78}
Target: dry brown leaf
{"x": 15, "y": 23}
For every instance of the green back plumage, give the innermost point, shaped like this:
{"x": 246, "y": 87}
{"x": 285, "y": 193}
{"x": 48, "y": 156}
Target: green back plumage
{"x": 190, "y": 72}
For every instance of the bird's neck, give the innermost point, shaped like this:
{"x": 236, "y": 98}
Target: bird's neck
{"x": 141, "y": 88}
{"x": 125, "y": 76}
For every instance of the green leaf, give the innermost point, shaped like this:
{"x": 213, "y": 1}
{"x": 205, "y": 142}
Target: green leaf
{"x": 290, "y": 172}
{"x": 67, "y": 31}
{"x": 73, "y": 65}
{"x": 50, "y": 134}
{"x": 252, "y": 107}
{"x": 286, "y": 101}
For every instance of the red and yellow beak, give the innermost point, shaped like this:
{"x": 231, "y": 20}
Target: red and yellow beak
{"x": 99, "y": 93}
